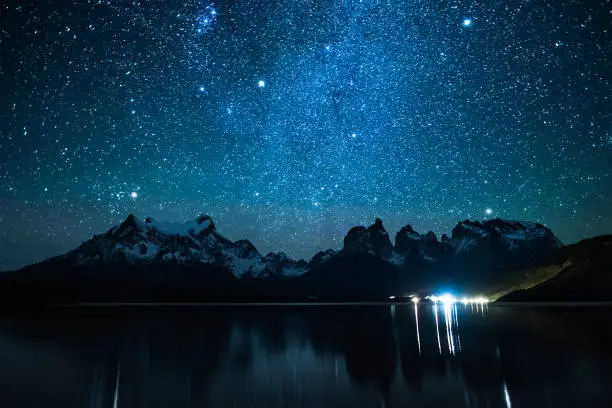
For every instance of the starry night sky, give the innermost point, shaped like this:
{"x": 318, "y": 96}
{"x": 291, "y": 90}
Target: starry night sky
{"x": 290, "y": 121}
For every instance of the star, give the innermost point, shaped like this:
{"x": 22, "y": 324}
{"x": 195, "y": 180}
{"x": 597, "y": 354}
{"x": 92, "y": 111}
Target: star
{"x": 261, "y": 83}
{"x": 489, "y": 211}
{"x": 134, "y": 194}
{"x": 467, "y": 22}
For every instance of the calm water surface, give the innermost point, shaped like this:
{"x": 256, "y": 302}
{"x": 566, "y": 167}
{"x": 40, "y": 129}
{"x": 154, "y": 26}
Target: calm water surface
{"x": 308, "y": 356}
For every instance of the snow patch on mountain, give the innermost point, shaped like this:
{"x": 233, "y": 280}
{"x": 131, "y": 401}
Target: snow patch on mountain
{"x": 242, "y": 267}
{"x": 396, "y": 259}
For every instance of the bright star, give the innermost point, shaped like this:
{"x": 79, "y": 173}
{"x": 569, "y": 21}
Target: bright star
{"x": 261, "y": 83}
{"x": 202, "y": 89}
{"x": 134, "y": 194}
{"x": 467, "y": 22}
{"x": 353, "y": 135}
{"x": 489, "y": 211}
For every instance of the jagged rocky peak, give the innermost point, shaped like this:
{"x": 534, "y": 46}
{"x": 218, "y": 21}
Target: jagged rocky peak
{"x": 371, "y": 239}
{"x": 499, "y": 227}
{"x": 205, "y": 224}
{"x": 323, "y": 257}
{"x": 206, "y": 220}
{"x": 131, "y": 219}
{"x": 277, "y": 256}
{"x": 408, "y": 231}
{"x": 279, "y": 264}
{"x": 377, "y": 226}
{"x": 245, "y": 248}
{"x": 498, "y": 233}
{"x": 430, "y": 237}
{"x": 406, "y": 240}
{"x": 202, "y": 226}
{"x": 469, "y": 229}
{"x": 131, "y": 229}
{"x": 410, "y": 242}
{"x": 430, "y": 247}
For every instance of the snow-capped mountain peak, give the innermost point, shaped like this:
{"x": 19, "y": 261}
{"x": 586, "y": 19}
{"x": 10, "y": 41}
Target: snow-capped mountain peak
{"x": 203, "y": 225}
{"x": 512, "y": 235}
{"x": 135, "y": 241}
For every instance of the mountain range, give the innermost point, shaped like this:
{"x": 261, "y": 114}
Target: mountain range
{"x": 152, "y": 261}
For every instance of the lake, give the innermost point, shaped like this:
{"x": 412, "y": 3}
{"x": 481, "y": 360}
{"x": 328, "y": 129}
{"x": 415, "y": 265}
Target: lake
{"x": 308, "y": 356}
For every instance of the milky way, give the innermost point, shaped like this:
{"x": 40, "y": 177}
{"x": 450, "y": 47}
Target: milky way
{"x": 291, "y": 121}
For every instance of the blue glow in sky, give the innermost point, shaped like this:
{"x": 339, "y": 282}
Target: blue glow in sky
{"x": 289, "y": 122}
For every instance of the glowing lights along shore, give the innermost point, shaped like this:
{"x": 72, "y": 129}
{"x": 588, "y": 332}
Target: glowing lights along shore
{"x": 449, "y": 299}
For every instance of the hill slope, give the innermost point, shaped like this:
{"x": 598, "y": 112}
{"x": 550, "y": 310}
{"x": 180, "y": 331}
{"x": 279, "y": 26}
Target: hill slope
{"x": 579, "y": 272}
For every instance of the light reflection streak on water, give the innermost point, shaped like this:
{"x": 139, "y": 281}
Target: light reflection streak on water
{"x": 448, "y": 320}
{"x": 451, "y": 321}
{"x": 416, "y": 318}
{"x": 457, "y": 327}
{"x": 456, "y": 321}
{"x": 507, "y": 396}
{"x": 116, "y": 396}
{"x": 435, "y": 308}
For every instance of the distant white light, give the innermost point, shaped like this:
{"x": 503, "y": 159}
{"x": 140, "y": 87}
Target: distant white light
{"x": 446, "y": 299}
{"x": 134, "y": 194}
{"x": 353, "y": 135}
{"x": 391, "y": 297}
{"x": 261, "y": 83}
{"x": 415, "y": 299}
{"x": 489, "y": 211}
{"x": 202, "y": 89}
{"x": 328, "y": 47}
{"x": 467, "y": 22}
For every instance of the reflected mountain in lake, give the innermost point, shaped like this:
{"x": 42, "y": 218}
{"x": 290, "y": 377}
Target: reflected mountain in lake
{"x": 308, "y": 356}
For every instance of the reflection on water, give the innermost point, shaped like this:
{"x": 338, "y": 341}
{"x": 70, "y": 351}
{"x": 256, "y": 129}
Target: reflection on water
{"x": 310, "y": 356}
{"x": 416, "y": 320}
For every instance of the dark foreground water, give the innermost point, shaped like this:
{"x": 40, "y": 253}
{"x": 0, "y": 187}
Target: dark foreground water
{"x": 308, "y": 356}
